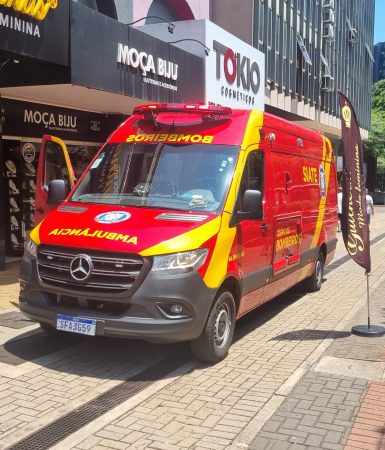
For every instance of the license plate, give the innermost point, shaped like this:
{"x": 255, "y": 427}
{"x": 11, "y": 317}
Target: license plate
{"x": 76, "y": 325}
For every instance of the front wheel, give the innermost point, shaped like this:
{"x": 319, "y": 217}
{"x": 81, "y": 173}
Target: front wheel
{"x": 314, "y": 282}
{"x": 214, "y": 343}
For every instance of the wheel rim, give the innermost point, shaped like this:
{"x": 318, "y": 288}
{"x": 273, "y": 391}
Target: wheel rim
{"x": 319, "y": 273}
{"x": 222, "y": 326}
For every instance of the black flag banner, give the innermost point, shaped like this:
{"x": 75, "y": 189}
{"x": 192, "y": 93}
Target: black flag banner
{"x": 354, "y": 223}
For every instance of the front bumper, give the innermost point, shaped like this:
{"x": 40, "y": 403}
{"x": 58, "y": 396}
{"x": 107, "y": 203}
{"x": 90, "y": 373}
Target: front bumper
{"x": 140, "y": 315}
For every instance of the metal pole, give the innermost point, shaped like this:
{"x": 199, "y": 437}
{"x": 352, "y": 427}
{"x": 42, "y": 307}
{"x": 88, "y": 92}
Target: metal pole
{"x": 368, "y": 330}
{"x": 367, "y": 298}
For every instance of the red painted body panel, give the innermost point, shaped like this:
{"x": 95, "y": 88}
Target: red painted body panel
{"x": 143, "y": 229}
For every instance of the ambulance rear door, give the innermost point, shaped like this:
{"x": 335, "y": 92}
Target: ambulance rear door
{"x": 54, "y": 164}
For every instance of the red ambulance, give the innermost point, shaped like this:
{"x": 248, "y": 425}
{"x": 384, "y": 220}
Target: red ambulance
{"x": 186, "y": 219}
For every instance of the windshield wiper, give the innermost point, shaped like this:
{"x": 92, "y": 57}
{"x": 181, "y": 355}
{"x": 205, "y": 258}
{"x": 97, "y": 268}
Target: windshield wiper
{"x": 168, "y": 208}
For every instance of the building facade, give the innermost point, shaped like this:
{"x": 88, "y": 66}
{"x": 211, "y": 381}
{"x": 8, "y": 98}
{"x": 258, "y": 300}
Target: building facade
{"x": 379, "y": 62}
{"x": 313, "y": 48}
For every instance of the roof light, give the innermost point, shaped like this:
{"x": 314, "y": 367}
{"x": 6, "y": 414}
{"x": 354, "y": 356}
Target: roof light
{"x": 182, "y": 108}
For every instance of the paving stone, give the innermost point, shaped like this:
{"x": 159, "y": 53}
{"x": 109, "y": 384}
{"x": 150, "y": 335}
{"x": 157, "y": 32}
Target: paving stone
{"x": 327, "y": 417}
{"x": 314, "y": 440}
{"x": 309, "y": 420}
{"x": 272, "y": 426}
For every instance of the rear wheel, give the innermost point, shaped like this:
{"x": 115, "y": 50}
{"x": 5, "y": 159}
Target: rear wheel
{"x": 314, "y": 282}
{"x": 213, "y": 344}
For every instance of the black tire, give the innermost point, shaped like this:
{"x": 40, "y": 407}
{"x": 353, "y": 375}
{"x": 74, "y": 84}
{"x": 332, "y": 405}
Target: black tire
{"x": 314, "y": 282}
{"x": 214, "y": 343}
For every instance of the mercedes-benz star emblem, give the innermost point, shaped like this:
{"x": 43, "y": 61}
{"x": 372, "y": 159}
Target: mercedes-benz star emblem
{"x": 81, "y": 267}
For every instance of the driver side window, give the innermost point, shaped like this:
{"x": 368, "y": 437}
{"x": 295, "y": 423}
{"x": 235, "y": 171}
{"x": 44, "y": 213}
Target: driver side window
{"x": 253, "y": 176}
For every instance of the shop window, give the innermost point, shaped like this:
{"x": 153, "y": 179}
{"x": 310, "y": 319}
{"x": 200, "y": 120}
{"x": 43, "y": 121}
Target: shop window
{"x": 18, "y": 198}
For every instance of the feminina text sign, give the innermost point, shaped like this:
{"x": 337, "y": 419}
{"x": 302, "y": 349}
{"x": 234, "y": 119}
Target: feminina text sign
{"x": 38, "y": 9}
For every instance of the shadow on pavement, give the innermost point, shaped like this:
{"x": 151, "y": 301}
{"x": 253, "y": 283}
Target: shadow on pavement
{"x": 29, "y": 348}
{"x": 108, "y": 358}
{"x": 97, "y": 357}
{"x": 310, "y": 335}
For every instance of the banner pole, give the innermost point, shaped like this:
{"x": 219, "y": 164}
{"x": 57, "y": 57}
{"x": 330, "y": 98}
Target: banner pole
{"x": 368, "y": 330}
{"x": 354, "y": 218}
{"x": 367, "y": 298}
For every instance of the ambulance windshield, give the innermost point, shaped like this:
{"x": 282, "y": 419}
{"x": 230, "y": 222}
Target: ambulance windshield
{"x": 190, "y": 177}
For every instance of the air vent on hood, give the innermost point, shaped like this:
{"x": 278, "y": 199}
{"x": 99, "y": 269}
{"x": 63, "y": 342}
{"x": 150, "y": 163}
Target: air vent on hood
{"x": 181, "y": 217}
{"x": 72, "y": 209}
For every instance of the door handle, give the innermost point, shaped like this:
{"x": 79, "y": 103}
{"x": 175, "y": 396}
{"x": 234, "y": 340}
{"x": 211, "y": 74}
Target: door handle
{"x": 264, "y": 227}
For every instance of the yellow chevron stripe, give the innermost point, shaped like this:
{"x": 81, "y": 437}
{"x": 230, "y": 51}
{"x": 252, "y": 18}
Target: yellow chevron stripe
{"x": 187, "y": 241}
{"x": 34, "y": 234}
{"x": 327, "y": 156}
{"x": 217, "y": 268}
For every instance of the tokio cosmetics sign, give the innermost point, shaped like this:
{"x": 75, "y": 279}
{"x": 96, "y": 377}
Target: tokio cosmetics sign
{"x": 235, "y": 71}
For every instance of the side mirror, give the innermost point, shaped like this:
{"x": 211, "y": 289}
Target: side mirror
{"x": 56, "y": 192}
{"x": 252, "y": 207}
{"x": 252, "y": 203}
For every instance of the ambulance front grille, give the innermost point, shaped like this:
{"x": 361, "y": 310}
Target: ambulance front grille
{"x": 112, "y": 273}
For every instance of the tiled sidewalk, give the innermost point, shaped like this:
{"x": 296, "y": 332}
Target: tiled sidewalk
{"x": 339, "y": 403}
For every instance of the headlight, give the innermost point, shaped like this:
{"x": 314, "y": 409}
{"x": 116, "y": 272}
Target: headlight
{"x": 180, "y": 262}
{"x": 31, "y": 249}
